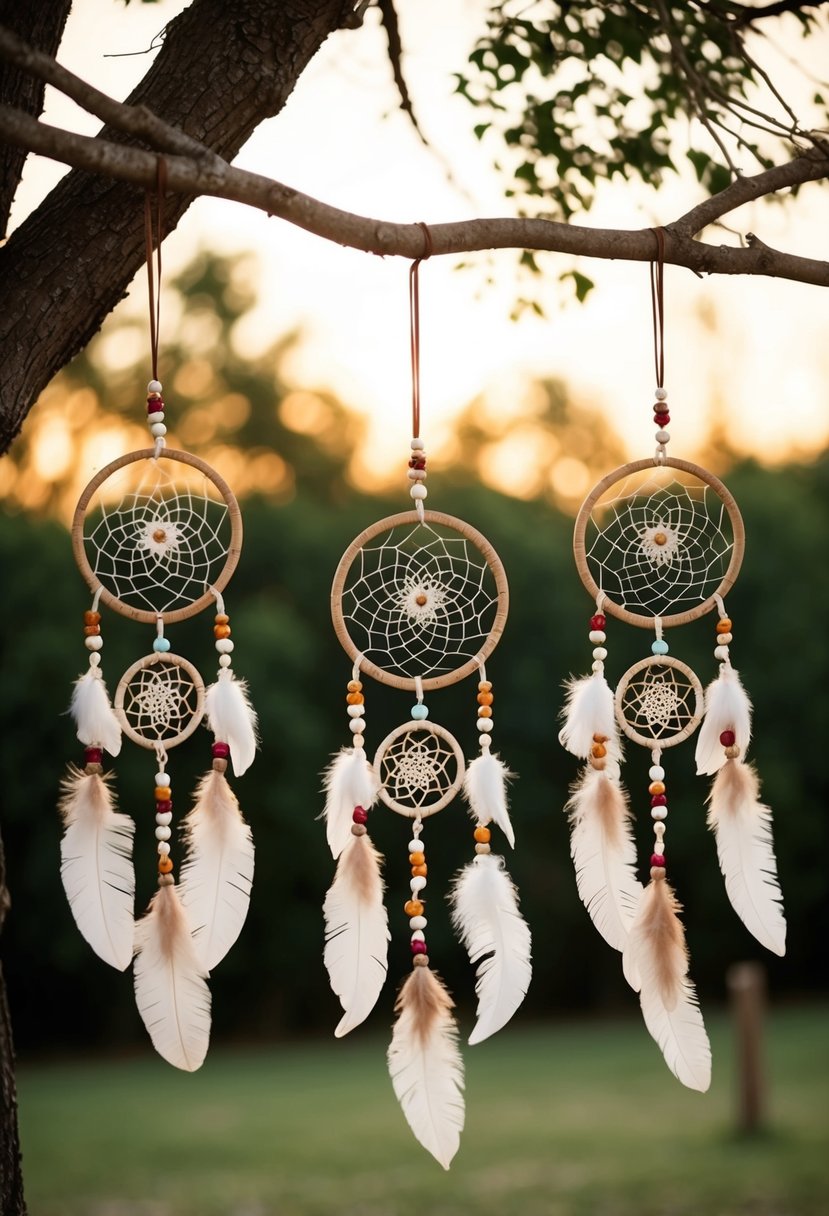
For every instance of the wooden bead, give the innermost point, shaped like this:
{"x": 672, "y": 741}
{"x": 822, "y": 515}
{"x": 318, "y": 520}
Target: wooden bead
{"x": 485, "y": 686}
{"x": 219, "y": 765}
{"x": 91, "y": 618}
{"x": 355, "y": 698}
{"x": 221, "y": 631}
{"x": 484, "y": 711}
{"x": 598, "y": 750}
{"x": 420, "y": 871}
{"x": 90, "y": 631}
{"x": 354, "y": 686}
{"x": 600, "y": 738}
{"x": 656, "y": 787}
{"x": 413, "y": 907}
{"x": 482, "y": 834}
{"x": 724, "y": 625}
{"x": 485, "y": 698}
{"x": 598, "y": 764}
{"x": 163, "y": 793}
{"x": 165, "y": 865}
{"x": 420, "y": 960}
{"x": 221, "y": 618}
{"x": 417, "y": 859}
{"x": 732, "y": 752}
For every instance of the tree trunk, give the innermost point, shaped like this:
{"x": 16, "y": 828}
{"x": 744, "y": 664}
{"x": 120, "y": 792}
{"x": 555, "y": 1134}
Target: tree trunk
{"x": 223, "y": 68}
{"x": 12, "y": 1202}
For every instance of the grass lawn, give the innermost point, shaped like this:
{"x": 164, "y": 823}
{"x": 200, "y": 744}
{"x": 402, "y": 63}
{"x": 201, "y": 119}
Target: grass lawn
{"x": 562, "y": 1120}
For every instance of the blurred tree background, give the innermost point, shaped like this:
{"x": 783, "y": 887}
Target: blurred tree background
{"x": 291, "y": 456}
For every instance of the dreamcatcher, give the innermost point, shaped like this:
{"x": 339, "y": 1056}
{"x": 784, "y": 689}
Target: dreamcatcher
{"x": 157, "y": 535}
{"x": 419, "y": 601}
{"x": 659, "y": 543}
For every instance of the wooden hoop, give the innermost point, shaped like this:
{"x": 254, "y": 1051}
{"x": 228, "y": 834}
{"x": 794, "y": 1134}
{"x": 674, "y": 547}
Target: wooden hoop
{"x": 660, "y": 660}
{"x": 674, "y": 618}
{"x": 231, "y": 561}
{"x": 430, "y": 728}
{"x": 494, "y": 563}
{"x": 152, "y": 660}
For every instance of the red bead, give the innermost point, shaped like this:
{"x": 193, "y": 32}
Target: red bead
{"x": 221, "y": 751}
{"x": 418, "y": 947}
{"x": 659, "y": 800}
{"x": 728, "y": 738}
{"x": 597, "y": 621}
{"x": 161, "y": 808}
{"x": 662, "y": 419}
{"x": 154, "y": 405}
{"x": 657, "y": 859}
{"x": 93, "y": 755}
{"x": 360, "y": 814}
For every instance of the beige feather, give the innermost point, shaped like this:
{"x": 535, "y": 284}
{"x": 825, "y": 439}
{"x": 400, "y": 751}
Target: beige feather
{"x": 356, "y": 932}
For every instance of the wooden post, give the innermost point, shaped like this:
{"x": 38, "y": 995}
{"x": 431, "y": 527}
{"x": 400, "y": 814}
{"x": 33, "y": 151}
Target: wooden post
{"x": 747, "y": 991}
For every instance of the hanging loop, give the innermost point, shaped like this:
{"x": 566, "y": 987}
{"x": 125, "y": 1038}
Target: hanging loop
{"x": 657, "y": 268}
{"x": 155, "y": 239}
{"x": 414, "y": 325}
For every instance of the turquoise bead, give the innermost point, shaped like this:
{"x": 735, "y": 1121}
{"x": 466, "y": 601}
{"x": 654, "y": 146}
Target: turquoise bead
{"x": 419, "y": 712}
{"x": 659, "y": 647}
{"x": 161, "y": 645}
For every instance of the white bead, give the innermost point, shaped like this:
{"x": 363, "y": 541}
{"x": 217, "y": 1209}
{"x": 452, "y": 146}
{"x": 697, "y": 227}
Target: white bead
{"x": 94, "y": 660}
{"x": 659, "y": 848}
{"x": 661, "y": 394}
{"x": 721, "y": 653}
{"x": 659, "y": 812}
{"x": 725, "y": 639}
{"x": 355, "y": 711}
{"x": 418, "y": 490}
{"x": 656, "y": 772}
{"x": 600, "y": 653}
{"x": 659, "y": 830}
{"x": 358, "y": 740}
{"x": 224, "y": 660}
{"x": 162, "y": 778}
{"x": 156, "y": 416}
{"x": 485, "y": 725}
{"x": 663, "y": 436}
{"x": 418, "y": 936}
{"x": 224, "y": 645}
{"x": 597, "y": 636}
{"x": 163, "y": 848}
{"x": 154, "y": 387}
{"x": 163, "y": 833}
{"x": 94, "y": 643}
{"x": 417, "y": 884}
{"x": 416, "y": 846}
{"x": 416, "y": 474}
{"x": 484, "y": 741}
{"x": 417, "y": 445}
{"x": 356, "y": 726}
{"x": 158, "y": 429}
{"x": 598, "y": 665}
{"x": 164, "y": 818}
{"x": 418, "y": 922}
{"x": 482, "y": 848}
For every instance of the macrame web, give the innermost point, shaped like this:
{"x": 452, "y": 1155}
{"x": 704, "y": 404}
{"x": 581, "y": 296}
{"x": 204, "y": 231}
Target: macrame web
{"x": 659, "y": 542}
{"x": 419, "y": 600}
{"x": 657, "y": 702}
{"x": 418, "y": 769}
{"x": 161, "y": 703}
{"x": 157, "y": 537}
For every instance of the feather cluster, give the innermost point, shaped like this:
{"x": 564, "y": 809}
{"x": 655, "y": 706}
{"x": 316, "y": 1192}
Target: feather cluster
{"x": 349, "y": 781}
{"x": 742, "y": 826}
{"x": 217, "y": 873}
{"x": 356, "y": 932}
{"x": 485, "y": 787}
{"x": 727, "y": 707}
{"x": 485, "y": 914}
{"x": 95, "y": 722}
{"x": 426, "y": 1066}
{"x": 96, "y": 866}
{"x": 604, "y": 854}
{"x": 171, "y": 984}
{"x": 588, "y": 711}
{"x": 232, "y": 718}
{"x": 656, "y": 966}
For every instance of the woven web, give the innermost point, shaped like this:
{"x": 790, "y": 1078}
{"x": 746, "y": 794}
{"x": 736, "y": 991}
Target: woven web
{"x": 417, "y": 769}
{"x": 659, "y": 542}
{"x": 419, "y": 601}
{"x": 157, "y": 534}
{"x": 659, "y": 702}
{"x": 160, "y": 702}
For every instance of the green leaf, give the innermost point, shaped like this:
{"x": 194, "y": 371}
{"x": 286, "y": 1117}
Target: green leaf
{"x": 583, "y": 286}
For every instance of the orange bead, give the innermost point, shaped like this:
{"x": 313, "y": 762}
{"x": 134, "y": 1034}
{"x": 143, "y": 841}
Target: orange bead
{"x": 419, "y": 871}
{"x": 482, "y": 834}
{"x": 165, "y": 865}
{"x": 413, "y": 907}
{"x": 355, "y": 698}
{"x": 417, "y": 859}
{"x": 656, "y": 787}
{"x": 484, "y": 711}
{"x": 91, "y": 631}
{"x": 598, "y": 750}
{"x": 221, "y": 631}
{"x": 221, "y": 618}
{"x": 163, "y": 793}
{"x": 600, "y": 738}
{"x": 724, "y": 625}
{"x": 485, "y": 698}
{"x": 485, "y": 686}
{"x": 354, "y": 686}
{"x": 91, "y": 618}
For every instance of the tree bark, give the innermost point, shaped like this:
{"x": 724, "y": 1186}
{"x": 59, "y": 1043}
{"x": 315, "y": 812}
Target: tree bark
{"x": 12, "y": 1201}
{"x": 222, "y": 70}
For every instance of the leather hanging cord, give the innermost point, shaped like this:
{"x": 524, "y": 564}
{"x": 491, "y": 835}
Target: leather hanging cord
{"x": 414, "y": 327}
{"x": 154, "y": 288}
{"x": 658, "y": 306}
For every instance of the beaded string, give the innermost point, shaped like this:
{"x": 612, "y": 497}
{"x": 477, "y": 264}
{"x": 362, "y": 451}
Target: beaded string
{"x": 155, "y": 402}
{"x": 415, "y": 906}
{"x": 722, "y": 654}
{"x": 163, "y": 818}
{"x": 659, "y": 813}
{"x": 417, "y": 460}
{"x": 661, "y": 415}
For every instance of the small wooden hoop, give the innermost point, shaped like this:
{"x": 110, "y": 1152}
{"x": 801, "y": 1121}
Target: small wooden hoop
{"x": 660, "y": 660}
{"x": 428, "y": 683}
{"x": 674, "y": 618}
{"x": 152, "y": 660}
{"x": 219, "y": 583}
{"x": 430, "y": 728}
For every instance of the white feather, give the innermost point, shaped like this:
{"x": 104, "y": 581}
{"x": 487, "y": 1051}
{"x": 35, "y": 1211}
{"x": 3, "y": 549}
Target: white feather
{"x": 95, "y": 722}
{"x": 170, "y": 984}
{"x": 742, "y": 826}
{"x": 96, "y": 866}
{"x": 356, "y": 932}
{"x": 588, "y": 711}
{"x": 232, "y": 718}
{"x": 485, "y": 787}
{"x": 217, "y": 873}
{"x": 681, "y": 1036}
{"x": 486, "y": 916}
{"x": 426, "y": 1066}
{"x": 727, "y": 707}
{"x": 604, "y": 855}
{"x": 348, "y": 781}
